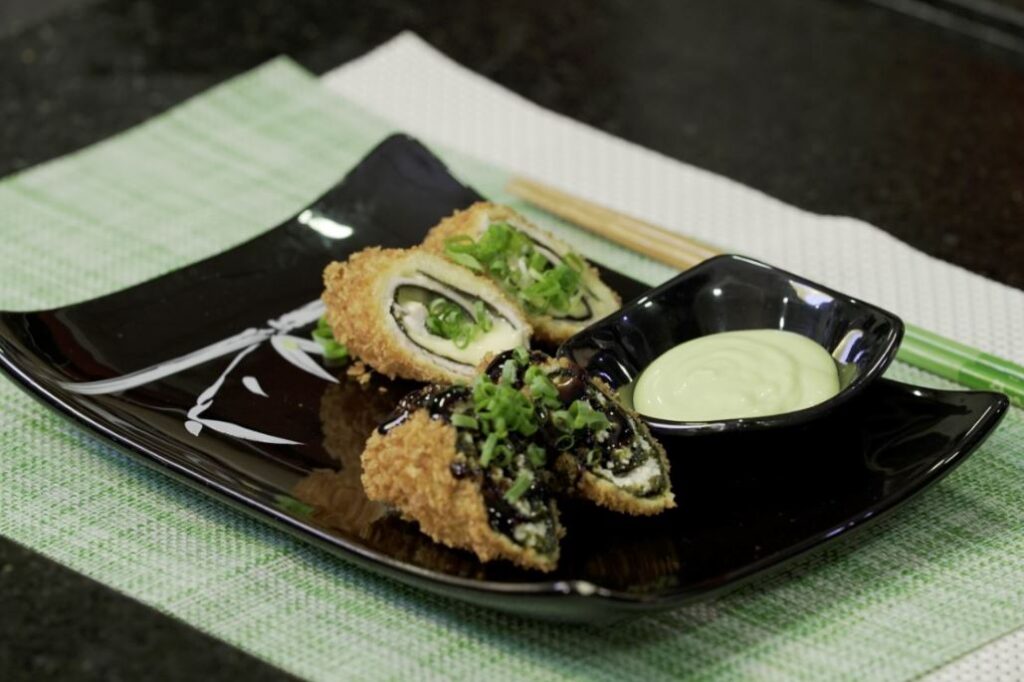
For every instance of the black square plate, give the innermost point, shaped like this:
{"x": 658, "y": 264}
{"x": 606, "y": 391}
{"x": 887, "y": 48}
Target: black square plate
{"x": 207, "y": 374}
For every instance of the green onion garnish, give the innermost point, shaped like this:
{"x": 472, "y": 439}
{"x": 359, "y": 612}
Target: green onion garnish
{"x": 579, "y": 416}
{"x": 509, "y": 371}
{"x": 562, "y": 420}
{"x": 556, "y": 289}
{"x": 522, "y": 483}
{"x": 537, "y": 455}
{"x": 564, "y": 442}
{"x": 483, "y": 318}
{"x": 487, "y": 451}
{"x": 542, "y": 389}
{"x": 509, "y": 257}
{"x": 503, "y": 454}
{"x": 500, "y": 408}
{"x": 333, "y": 351}
{"x": 464, "y": 421}
{"x": 573, "y": 261}
{"x": 451, "y": 321}
{"x": 586, "y": 417}
{"x": 467, "y": 261}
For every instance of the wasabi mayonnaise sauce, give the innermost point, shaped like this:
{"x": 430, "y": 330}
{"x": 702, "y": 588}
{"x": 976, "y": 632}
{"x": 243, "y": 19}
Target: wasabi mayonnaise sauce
{"x": 731, "y": 375}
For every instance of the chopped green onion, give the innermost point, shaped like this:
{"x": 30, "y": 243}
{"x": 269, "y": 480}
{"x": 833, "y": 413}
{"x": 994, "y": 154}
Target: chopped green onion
{"x": 451, "y": 321}
{"x": 483, "y": 318}
{"x": 521, "y": 355}
{"x": 501, "y": 251}
{"x": 542, "y": 389}
{"x": 333, "y": 351}
{"x": 564, "y": 442}
{"x": 464, "y": 421}
{"x": 466, "y": 261}
{"x": 503, "y": 454}
{"x": 562, "y": 420}
{"x": 528, "y": 427}
{"x": 537, "y": 455}
{"x": 555, "y": 289}
{"x": 573, "y": 261}
{"x": 487, "y": 451}
{"x": 500, "y": 408}
{"x": 509, "y": 371}
{"x": 579, "y": 416}
{"x": 500, "y": 426}
{"x": 522, "y": 483}
{"x": 586, "y": 417}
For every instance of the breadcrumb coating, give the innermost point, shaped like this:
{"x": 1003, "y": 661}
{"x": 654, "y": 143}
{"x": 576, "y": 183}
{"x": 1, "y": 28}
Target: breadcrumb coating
{"x": 409, "y": 468}
{"x": 358, "y": 296}
{"x": 474, "y": 220}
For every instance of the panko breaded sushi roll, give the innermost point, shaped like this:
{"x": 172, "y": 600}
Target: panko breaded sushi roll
{"x": 606, "y": 453}
{"x": 560, "y": 292}
{"x": 415, "y": 315}
{"x": 461, "y": 463}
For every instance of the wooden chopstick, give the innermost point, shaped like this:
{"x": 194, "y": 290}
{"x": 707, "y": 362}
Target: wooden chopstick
{"x": 920, "y": 348}
{"x": 660, "y": 244}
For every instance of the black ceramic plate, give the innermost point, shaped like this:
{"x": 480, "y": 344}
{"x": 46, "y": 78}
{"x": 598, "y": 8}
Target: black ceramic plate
{"x": 205, "y": 374}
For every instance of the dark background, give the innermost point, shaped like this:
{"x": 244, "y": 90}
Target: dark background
{"x": 906, "y": 113}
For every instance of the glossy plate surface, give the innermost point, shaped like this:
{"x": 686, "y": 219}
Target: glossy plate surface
{"x": 730, "y": 293}
{"x": 206, "y": 373}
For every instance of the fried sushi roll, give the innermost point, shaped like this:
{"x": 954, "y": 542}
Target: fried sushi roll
{"x": 606, "y": 453}
{"x": 462, "y": 463}
{"x": 415, "y": 315}
{"x": 560, "y": 292}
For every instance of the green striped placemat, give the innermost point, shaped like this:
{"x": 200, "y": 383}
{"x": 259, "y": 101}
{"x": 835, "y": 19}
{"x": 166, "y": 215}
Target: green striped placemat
{"x": 938, "y": 579}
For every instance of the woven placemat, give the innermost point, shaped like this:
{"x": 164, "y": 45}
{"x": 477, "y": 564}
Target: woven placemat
{"x": 937, "y": 579}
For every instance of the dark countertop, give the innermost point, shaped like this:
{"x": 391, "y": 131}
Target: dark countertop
{"x": 835, "y": 106}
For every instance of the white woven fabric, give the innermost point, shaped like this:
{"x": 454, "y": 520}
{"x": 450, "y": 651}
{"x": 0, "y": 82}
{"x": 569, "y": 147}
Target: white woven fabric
{"x": 429, "y": 96}
{"x": 999, "y": 661}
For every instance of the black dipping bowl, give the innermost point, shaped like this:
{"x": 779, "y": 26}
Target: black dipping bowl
{"x": 729, "y": 293}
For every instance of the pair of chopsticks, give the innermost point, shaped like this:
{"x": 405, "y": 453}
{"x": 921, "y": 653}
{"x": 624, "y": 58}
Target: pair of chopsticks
{"x": 920, "y": 348}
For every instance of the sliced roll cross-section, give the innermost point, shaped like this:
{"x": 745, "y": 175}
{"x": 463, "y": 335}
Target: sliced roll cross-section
{"x": 605, "y": 453}
{"x": 413, "y": 314}
{"x": 461, "y": 463}
{"x": 560, "y": 292}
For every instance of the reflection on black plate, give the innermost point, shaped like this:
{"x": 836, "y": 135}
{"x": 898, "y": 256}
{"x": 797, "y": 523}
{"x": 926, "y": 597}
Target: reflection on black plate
{"x": 207, "y": 374}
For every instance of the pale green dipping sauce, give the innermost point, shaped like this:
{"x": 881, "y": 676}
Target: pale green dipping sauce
{"x": 732, "y": 375}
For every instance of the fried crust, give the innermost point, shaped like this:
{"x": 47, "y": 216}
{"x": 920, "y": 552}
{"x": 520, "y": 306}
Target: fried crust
{"x": 359, "y": 309}
{"x": 471, "y": 222}
{"x": 409, "y": 469}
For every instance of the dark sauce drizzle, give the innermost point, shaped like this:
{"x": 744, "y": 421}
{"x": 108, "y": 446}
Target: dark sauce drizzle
{"x": 438, "y": 401}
